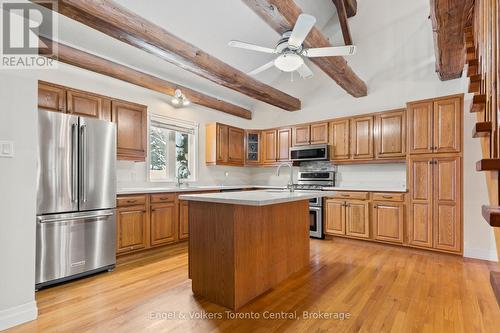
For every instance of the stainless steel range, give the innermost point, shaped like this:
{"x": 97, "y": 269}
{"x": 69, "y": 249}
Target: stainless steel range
{"x": 315, "y": 180}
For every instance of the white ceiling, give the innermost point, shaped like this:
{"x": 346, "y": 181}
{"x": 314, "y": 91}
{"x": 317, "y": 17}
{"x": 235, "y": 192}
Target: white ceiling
{"x": 207, "y": 24}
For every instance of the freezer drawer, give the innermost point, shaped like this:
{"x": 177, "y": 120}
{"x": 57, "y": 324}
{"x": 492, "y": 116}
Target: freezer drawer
{"x": 71, "y": 245}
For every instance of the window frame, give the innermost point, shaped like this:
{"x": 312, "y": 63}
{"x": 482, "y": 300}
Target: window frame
{"x": 194, "y": 150}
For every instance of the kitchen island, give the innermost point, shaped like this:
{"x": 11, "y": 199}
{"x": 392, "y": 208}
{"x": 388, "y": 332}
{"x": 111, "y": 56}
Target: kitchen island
{"x": 241, "y": 244}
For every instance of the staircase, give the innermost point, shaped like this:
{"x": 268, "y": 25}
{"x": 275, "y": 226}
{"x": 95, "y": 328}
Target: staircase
{"x": 483, "y": 66}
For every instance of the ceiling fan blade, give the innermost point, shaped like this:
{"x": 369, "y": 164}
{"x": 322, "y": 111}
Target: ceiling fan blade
{"x": 304, "y": 71}
{"x": 262, "y": 68}
{"x": 248, "y": 46}
{"x": 301, "y": 29}
{"x": 330, "y": 51}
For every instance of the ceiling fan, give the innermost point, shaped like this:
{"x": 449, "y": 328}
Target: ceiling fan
{"x": 291, "y": 52}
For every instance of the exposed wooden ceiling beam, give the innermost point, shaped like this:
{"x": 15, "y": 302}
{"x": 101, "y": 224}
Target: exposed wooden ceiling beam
{"x": 344, "y": 25}
{"x": 120, "y": 23}
{"x": 449, "y": 18}
{"x": 281, "y": 15}
{"x": 103, "y": 66}
{"x": 351, "y": 7}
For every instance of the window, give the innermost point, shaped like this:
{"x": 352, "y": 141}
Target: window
{"x": 173, "y": 149}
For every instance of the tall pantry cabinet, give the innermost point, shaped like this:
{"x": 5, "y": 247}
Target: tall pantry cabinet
{"x": 435, "y": 173}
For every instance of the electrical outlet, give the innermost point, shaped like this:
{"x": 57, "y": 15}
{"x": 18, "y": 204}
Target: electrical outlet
{"x": 6, "y": 149}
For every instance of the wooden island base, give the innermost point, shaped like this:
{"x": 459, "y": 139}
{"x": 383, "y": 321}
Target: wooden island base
{"x": 238, "y": 252}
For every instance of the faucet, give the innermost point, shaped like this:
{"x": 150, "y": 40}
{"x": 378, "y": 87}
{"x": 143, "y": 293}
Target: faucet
{"x": 181, "y": 167}
{"x": 290, "y": 185}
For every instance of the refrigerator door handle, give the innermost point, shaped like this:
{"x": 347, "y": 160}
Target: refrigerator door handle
{"x": 74, "y": 163}
{"x": 83, "y": 163}
{"x": 83, "y": 217}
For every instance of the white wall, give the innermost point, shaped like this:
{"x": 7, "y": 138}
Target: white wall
{"x": 17, "y": 200}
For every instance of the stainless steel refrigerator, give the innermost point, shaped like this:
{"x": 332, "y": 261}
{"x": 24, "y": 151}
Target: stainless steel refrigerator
{"x": 76, "y": 197}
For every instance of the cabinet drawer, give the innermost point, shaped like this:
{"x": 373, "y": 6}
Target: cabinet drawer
{"x": 388, "y": 196}
{"x": 351, "y": 195}
{"x": 131, "y": 200}
{"x": 162, "y": 197}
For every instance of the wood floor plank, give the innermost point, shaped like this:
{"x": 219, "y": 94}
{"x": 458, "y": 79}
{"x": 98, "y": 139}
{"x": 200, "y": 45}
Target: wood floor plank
{"x": 383, "y": 288}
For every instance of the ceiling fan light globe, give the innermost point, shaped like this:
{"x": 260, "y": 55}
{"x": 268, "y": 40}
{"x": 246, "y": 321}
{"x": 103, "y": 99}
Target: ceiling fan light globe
{"x": 288, "y": 62}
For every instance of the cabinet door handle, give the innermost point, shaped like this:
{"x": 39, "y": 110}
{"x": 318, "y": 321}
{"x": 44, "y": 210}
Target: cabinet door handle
{"x": 346, "y": 195}
{"x": 387, "y": 196}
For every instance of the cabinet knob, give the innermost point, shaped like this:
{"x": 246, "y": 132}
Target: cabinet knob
{"x": 375, "y": 206}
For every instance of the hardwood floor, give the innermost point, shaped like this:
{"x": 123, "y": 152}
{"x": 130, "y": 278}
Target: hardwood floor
{"x": 383, "y": 288}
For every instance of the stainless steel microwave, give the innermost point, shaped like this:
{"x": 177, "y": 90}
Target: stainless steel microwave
{"x": 309, "y": 153}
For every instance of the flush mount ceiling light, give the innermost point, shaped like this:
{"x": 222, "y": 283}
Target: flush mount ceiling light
{"x": 289, "y": 62}
{"x": 179, "y": 99}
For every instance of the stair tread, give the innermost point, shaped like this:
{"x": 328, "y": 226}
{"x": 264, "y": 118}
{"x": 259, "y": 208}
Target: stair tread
{"x": 482, "y": 129}
{"x": 491, "y": 214}
{"x": 475, "y": 78}
{"x": 478, "y": 103}
{"x": 488, "y": 164}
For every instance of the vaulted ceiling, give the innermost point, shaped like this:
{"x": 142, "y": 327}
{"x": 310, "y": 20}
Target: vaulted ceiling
{"x": 207, "y": 24}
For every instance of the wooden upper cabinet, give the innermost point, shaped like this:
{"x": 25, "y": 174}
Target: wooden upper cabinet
{"x": 253, "y": 147}
{"x": 131, "y": 122}
{"x": 131, "y": 226}
{"x": 339, "y": 140}
{"x": 225, "y": 145}
{"x": 420, "y": 127}
{"x": 301, "y": 135}
{"x": 357, "y": 219}
{"x": 269, "y": 144}
{"x": 447, "y": 203}
{"x": 362, "y": 137}
{"x": 319, "y": 133}
{"x": 388, "y": 221}
{"x": 447, "y": 125}
{"x": 222, "y": 143}
{"x": 335, "y": 217}
{"x": 421, "y": 196}
{"x": 390, "y": 134}
{"x": 88, "y": 105}
{"x": 51, "y": 97}
{"x": 236, "y": 145}
{"x": 163, "y": 223}
{"x": 284, "y": 144}
{"x": 435, "y": 126}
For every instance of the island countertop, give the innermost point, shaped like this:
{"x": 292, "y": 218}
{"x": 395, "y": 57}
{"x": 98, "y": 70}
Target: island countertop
{"x": 256, "y": 198}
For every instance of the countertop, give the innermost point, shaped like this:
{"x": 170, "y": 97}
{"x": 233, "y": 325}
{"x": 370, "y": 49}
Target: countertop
{"x": 365, "y": 189}
{"x": 256, "y": 198}
{"x": 140, "y": 190}
{"x": 137, "y": 190}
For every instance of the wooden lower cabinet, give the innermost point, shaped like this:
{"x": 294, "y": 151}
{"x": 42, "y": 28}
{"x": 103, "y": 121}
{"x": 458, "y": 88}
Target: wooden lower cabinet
{"x": 357, "y": 219}
{"x": 183, "y": 219}
{"x": 334, "y": 216}
{"x": 131, "y": 229}
{"x": 163, "y": 223}
{"x": 388, "y": 221}
{"x": 435, "y": 202}
{"x": 350, "y": 218}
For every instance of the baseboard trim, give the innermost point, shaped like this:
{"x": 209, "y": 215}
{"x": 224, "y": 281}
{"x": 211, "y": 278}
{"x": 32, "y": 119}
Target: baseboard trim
{"x": 483, "y": 254}
{"x": 18, "y": 315}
